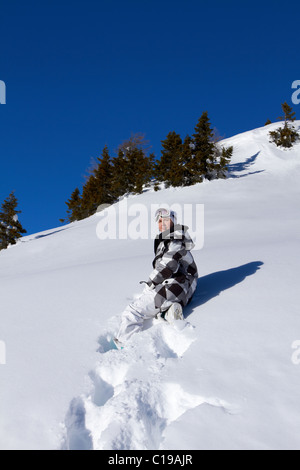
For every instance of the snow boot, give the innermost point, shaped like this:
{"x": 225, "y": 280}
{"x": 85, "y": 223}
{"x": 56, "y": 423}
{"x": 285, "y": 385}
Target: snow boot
{"x": 174, "y": 313}
{"x": 118, "y": 344}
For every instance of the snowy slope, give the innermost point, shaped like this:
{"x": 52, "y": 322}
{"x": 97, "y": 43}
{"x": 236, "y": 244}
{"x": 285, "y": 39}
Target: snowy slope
{"x": 223, "y": 380}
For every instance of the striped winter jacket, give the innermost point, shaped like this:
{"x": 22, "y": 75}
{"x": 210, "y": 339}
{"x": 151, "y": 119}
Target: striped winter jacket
{"x": 174, "y": 276}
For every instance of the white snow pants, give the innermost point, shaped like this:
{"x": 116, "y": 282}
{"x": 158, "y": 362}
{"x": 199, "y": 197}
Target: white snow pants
{"x": 142, "y": 308}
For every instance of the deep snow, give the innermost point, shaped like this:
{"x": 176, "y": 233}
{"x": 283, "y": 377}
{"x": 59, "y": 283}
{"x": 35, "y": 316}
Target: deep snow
{"x": 224, "y": 379}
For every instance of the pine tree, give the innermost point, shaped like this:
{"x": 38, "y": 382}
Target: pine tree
{"x": 134, "y": 158}
{"x": 187, "y": 157}
{"x": 189, "y": 162}
{"x": 119, "y": 176}
{"x": 151, "y": 168}
{"x": 74, "y": 211}
{"x": 223, "y": 159}
{"x": 103, "y": 175}
{"x": 132, "y": 168}
{"x": 204, "y": 150}
{"x": 287, "y": 135}
{"x": 97, "y": 189}
{"x": 142, "y": 166}
{"x": 168, "y": 167}
{"x": 289, "y": 115}
{"x": 10, "y": 227}
{"x": 89, "y": 197}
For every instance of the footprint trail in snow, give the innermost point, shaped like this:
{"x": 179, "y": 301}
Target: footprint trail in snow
{"x": 131, "y": 400}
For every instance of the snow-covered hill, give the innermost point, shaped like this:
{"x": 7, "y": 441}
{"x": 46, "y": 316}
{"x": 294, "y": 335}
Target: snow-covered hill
{"x": 227, "y": 379}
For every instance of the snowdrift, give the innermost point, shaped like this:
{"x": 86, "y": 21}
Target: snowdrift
{"x": 226, "y": 378}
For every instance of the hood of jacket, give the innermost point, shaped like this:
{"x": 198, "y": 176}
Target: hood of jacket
{"x": 177, "y": 232}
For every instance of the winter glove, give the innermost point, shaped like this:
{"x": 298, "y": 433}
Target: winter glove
{"x": 149, "y": 284}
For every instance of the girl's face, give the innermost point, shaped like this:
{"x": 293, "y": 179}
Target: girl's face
{"x": 164, "y": 223}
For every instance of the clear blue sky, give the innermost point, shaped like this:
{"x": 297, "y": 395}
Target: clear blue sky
{"x": 83, "y": 74}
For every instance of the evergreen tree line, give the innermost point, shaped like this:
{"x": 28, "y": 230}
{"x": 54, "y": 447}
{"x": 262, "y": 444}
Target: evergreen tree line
{"x": 287, "y": 135}
{"x": 10, "y": 227}
{"x": 182, "y": 163}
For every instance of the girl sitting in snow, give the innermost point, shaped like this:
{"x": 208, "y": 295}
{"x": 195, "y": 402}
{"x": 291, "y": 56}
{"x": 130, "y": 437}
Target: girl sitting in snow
{"x": 172, "y": 282}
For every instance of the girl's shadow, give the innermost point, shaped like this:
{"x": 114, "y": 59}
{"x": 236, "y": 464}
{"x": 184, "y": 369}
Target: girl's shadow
{"x": 212, "y": 285}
